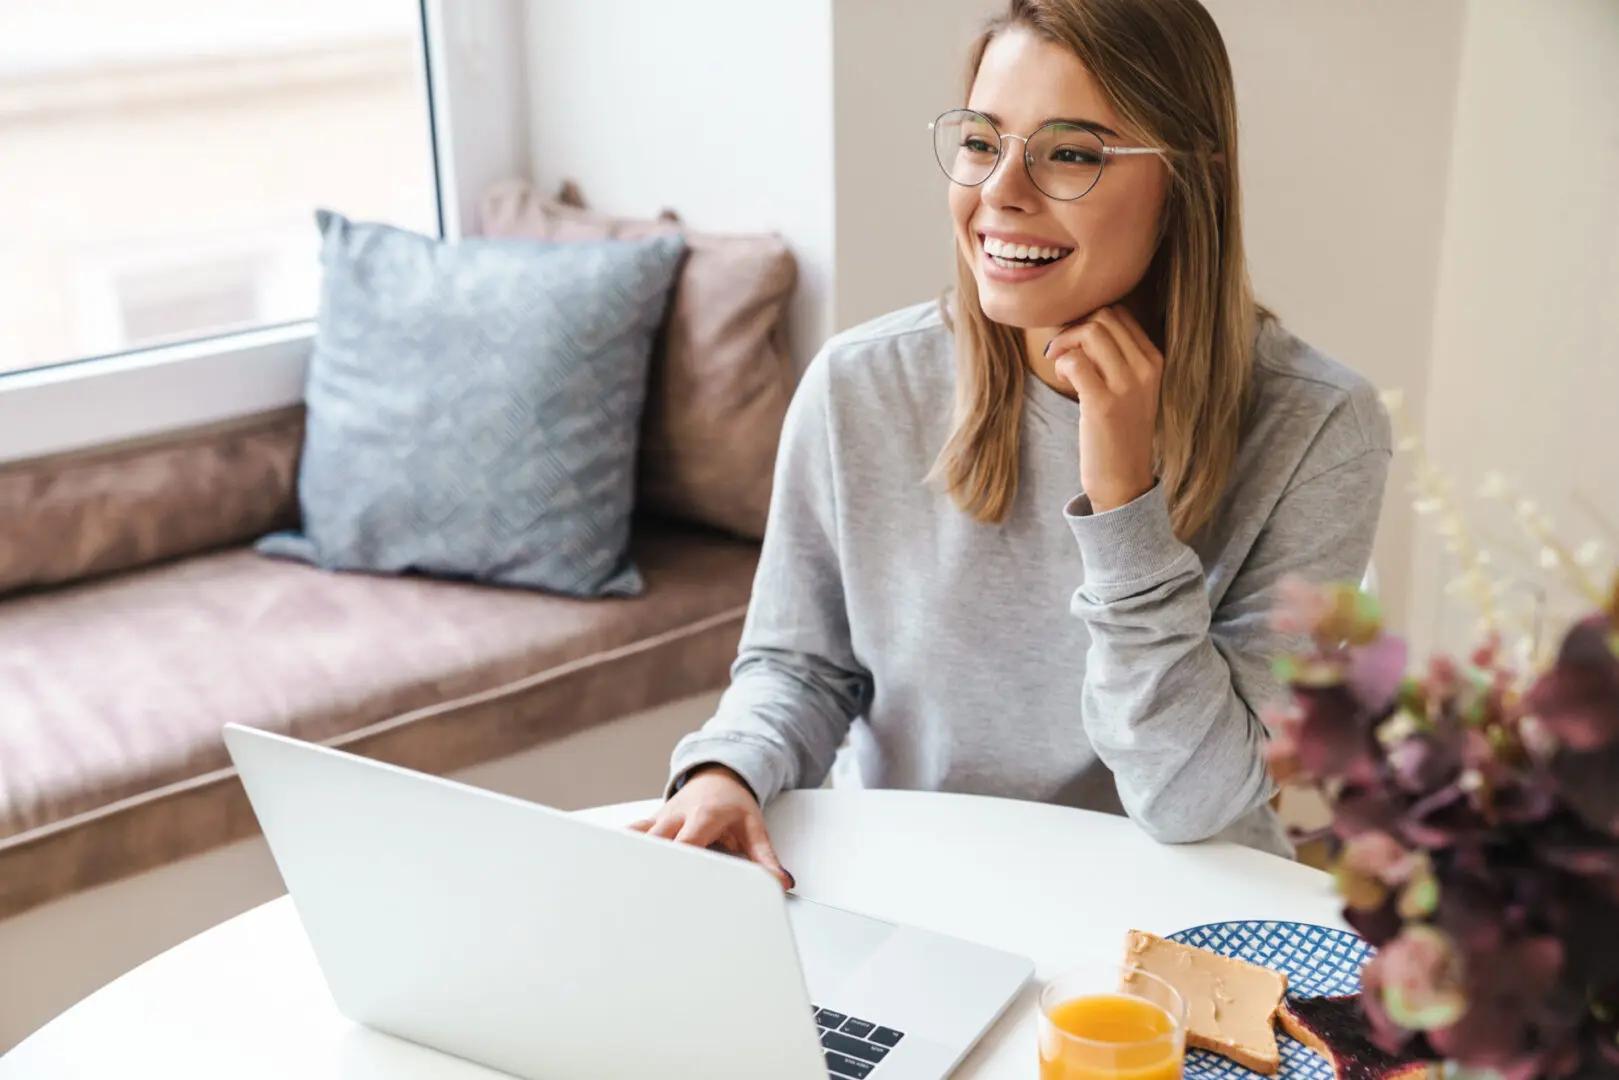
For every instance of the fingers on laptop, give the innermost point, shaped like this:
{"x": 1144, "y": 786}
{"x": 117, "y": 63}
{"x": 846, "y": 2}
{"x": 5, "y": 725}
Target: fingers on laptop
{"x": 664, "y": 826}
{"x": 744, "y": 836}
{"x": 668, "y": 826}
{"x": 761, "y": 851}
{"x": 701, "y": 828}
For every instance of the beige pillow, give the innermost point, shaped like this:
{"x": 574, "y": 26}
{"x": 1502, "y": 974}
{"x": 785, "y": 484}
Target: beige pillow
{"x": 721, "y": 377}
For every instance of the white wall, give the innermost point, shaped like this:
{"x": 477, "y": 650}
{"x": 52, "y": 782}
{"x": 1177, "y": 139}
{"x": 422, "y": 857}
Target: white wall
{"x": 802, "y": 117}
{"x": 481, "y": 69}
{"x": 717, "y": 109}
{"x": 1526, "y": 332}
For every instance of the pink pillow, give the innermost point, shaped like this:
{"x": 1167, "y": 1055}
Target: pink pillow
{"x": 721, "y": 376}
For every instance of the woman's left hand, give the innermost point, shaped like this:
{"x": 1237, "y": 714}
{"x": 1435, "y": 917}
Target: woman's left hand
{"x": 1116, "y": 370}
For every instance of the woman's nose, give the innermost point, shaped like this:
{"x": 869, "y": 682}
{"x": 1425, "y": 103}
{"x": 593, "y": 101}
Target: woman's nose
{"x": 1009, "y": 186}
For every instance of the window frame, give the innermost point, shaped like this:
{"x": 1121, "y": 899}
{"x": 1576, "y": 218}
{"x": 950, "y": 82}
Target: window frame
{"x": 473, "y": 66}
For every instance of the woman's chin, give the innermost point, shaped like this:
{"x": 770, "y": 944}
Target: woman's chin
{"x": 1011, "y": 305}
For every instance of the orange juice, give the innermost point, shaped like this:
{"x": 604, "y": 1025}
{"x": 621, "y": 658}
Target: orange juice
{"x": 1116, "y": 1037}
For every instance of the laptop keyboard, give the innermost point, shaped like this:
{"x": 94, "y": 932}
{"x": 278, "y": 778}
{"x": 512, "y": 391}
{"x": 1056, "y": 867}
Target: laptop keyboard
{"x": 853, "y": 1047}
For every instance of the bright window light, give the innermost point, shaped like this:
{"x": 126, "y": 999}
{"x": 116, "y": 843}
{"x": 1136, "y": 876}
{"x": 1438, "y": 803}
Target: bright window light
{"x": 161, "y": 162}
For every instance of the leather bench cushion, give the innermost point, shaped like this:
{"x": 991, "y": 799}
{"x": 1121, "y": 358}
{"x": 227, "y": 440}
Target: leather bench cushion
{"x": 113, "y": 692}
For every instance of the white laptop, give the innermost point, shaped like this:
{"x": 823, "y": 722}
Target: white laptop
{"x": 536, "y": 943}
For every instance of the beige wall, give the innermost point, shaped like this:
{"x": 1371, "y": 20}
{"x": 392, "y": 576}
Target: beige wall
{"x": 1361, "y": 234}
{"x": 1346, "y": 113}
{"x": 893, "y": 227}
{"x": 1525, "y": 374}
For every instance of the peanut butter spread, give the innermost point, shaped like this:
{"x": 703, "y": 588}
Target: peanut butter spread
{"x": 1230, "y": 1004}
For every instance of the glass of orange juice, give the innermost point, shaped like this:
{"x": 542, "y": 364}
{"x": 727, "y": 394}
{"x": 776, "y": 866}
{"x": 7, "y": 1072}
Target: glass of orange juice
{"x": 1106, "y": 1021}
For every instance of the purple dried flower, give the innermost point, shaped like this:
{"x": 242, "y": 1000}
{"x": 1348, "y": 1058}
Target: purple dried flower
{"x": 1506, "y": 994}
{"x": 1335, "y": 734}
{"x": 1443, "y": 675}
{"x": 1586, "y": 783}
{"x": 1377, "y": 672}
{"x": 1476, "y": 836}
{"x": 1578, "y": 699}
{"x": 1423, "y": 763}
{"x": 1441, "y": 819}
{"x": 1593, "y": 858}
{"x": 1378, "y": 925}
{"x": 1538, "y": 741}
{"x": 1378, "y": 855}
{"x": 1362, "y": 807}
{"x": 1300, "y": 606}
{"x": 1282, "y": 749}
{"x": 1420, "y": 979}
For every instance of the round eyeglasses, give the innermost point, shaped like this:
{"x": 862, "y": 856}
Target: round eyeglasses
{"x": 1064, "y": 159}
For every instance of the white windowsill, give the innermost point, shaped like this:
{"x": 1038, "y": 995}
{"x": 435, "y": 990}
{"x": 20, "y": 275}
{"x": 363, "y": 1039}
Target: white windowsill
{"x": 133, "y": 395}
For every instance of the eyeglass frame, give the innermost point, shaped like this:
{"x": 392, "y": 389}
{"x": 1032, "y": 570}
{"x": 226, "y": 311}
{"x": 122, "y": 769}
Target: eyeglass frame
{"x": 1108, "y": 152}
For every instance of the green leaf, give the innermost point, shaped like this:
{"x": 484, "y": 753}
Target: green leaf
{"x": 1453, "y": 1071}
{"x": 1422, "y": 981}
{"x": 1424, "y": 1011}
{"x": 1306, "y": 671}
{"x": 1360, "y": 891}
{"x": 1352, "y": 617}
{"x": 1420, "y": 896}
{"x": 1368, "y": 617}
{"x": 1413, "y": 699}
{"x": 1474, "y": 697}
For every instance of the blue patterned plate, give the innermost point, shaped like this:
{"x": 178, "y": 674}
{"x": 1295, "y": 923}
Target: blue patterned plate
{"x": 1318, "y": 961}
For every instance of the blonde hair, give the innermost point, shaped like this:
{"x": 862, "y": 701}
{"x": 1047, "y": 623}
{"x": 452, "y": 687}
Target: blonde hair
{"x": 1165, "y": 72}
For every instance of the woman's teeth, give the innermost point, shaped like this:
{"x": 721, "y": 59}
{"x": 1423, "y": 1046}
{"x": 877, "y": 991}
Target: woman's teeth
{"x": 1015, "y": 255}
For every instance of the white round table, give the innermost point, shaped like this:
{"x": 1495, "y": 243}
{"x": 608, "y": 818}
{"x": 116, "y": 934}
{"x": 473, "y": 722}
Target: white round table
{"x": 246, "y": 1000}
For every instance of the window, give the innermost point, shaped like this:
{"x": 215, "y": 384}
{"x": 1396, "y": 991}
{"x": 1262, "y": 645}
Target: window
{"x": 161, "y": 162}
{"x": 156, "y": 308}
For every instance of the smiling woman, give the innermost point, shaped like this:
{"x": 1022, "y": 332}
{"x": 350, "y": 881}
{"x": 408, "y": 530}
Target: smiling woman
{"x": 1025, "y": 542}
{"x": 1134, "y": 213}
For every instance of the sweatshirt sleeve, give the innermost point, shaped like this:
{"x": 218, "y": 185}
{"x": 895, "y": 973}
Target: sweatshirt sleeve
{"x": 796, "y": 684}
{"x": 1172, "y": 689}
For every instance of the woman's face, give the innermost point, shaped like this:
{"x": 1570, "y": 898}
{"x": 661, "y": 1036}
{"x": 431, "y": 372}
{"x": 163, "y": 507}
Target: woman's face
{"x": 1105, "y": 240}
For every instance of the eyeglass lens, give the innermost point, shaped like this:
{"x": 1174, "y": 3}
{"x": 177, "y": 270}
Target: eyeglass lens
{"x": 1064, "y": 161}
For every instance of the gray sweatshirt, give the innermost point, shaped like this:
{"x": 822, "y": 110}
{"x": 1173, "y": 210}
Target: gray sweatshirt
{"x": 1091, "y": 660}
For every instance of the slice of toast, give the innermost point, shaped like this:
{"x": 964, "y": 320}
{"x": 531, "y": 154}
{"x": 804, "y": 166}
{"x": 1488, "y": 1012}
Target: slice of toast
{"x": 1337, "y": 1029}
{"x": 1231, "y": 1004}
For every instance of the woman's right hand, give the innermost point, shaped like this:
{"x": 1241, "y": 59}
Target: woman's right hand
{"x": 716, "y": 809}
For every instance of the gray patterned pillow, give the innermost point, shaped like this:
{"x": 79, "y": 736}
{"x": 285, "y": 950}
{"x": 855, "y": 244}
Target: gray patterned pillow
{"x": 474, "y": 407}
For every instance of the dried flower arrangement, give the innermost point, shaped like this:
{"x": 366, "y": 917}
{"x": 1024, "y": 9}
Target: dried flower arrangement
{"x": 1475, "y": 815}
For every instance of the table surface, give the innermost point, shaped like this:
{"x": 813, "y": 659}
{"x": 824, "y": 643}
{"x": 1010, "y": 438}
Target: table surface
{"x": 246, "y": 999}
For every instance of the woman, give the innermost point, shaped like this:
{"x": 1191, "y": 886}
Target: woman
{"x": 1027, "y": 545}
